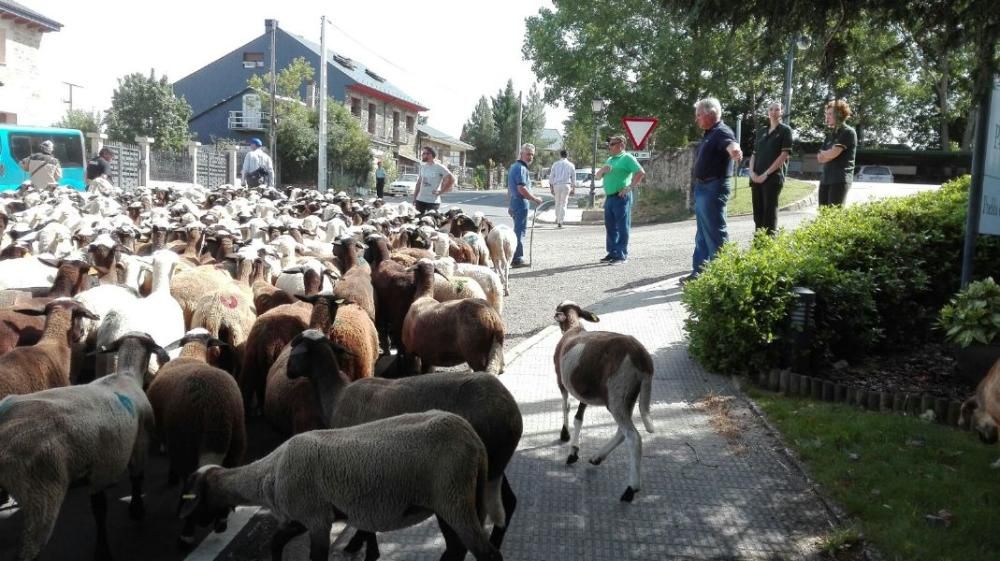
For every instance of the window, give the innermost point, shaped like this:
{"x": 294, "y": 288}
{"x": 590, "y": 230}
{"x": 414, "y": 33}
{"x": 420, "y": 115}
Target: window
{"x": 344, "y": 61}
{"x": 371, "y": 118}
{"x": 395, "y": 126}
{"x": 253, "y": 60}
{"x": 68, "y": 149}
{"x": 356, "y": 107}
{"x": 409, "y": 124}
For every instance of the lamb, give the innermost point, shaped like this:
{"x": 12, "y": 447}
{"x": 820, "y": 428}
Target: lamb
{"x": 394, "y": 292}
{"x": 92, "y": 433}
{"x": 450, "y": 333}
{"x": 603, "y": 368}
{"x": 189, "y": 286}
{"x": 199, "y": 412}
{"x": 227, "y": 314}
{"x": 479, "y": 398}
{"x": 45, "y": 364}
{"x": 502, "y": 242}
{"x": 384, "y": 475}
{"x": 270, "y": 333}
{"x": 355, "y": 284}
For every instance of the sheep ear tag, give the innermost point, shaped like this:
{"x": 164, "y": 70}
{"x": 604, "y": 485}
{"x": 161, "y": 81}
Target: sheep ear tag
{"x": 590, "y": 316}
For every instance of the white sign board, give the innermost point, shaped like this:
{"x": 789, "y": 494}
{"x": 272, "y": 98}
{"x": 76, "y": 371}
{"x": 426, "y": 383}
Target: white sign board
{"x": 989, "y": 218}
{"x": 640, "y": 155}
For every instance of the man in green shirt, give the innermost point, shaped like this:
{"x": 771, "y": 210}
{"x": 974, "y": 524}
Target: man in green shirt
{"x": 621, "y": 174}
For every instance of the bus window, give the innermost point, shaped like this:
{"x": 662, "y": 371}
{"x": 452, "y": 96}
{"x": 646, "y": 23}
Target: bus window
{"x": 66, "y": 149}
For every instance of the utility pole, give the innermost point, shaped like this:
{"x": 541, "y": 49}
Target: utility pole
{"x": 271, "y": 27}
{"x": 70, "y": 100}
{"x": 321, "y": 178}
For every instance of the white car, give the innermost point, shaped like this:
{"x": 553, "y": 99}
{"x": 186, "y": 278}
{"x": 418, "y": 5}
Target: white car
{"x": 583, "y": 180}
{"x": 405, "y": 186}
{"x": 874, "y": 174}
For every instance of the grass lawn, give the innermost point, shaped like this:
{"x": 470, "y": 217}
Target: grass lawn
{"x": 891, "y": 472}
{"x": 740, "y": 203}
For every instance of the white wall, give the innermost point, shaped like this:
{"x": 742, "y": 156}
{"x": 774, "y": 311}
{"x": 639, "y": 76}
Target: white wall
{"x": 30, "y": 92}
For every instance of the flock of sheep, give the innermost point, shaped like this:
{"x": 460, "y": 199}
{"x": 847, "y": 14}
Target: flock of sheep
{"x": 161, "y": 318}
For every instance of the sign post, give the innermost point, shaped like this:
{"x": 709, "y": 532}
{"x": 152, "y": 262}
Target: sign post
{"x": 984, "y": 193}
{"x": 639, "y": 129}
{"x": 989, "y": 217}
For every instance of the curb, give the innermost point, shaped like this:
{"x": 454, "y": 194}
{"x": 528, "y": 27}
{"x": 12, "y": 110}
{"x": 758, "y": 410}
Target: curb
{"x": 811, "y": 200}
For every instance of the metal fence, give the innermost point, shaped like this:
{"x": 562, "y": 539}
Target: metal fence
{"x": 212, "y": 166}
{"x": 125, "y": 165}
{"x": 167, "y": 165}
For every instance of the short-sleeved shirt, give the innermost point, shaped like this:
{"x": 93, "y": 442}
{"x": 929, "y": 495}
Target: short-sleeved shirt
{"x": 841, "y": 168}
{"x": 770, "y": 144}
{"x": 431, "y": 177}
{"x": 98, "y": 167}
{"x": 713, "y": 159}
{"x": 518, "y": 175}
{"x": 623, "y": 166}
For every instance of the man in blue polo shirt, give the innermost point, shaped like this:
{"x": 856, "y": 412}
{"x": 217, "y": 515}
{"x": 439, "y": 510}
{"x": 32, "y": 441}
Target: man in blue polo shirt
{"x": 519, "y": 190}
{"x": 712, "y": 181}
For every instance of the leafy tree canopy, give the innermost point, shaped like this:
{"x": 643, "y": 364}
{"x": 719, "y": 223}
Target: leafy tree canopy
{"x": 146, "y": 106}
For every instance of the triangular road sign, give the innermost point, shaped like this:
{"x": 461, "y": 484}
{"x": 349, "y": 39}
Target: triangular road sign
{"x": 639, "y": 128}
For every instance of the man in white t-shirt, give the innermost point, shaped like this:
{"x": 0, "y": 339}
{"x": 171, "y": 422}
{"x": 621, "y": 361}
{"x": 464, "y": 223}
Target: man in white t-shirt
{"x": 562, "y": 183}
{"x": 433, "y": 180}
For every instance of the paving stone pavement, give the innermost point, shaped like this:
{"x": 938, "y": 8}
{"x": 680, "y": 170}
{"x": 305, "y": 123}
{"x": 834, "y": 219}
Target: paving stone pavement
{"x": 701, "y": 496}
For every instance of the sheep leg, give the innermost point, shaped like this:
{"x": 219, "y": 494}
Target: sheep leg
{"x": 574, "y": 454}
{"x": 360, "y": 538}
{"x": 509, "y": 500}
{"x": 319, "y": 544}
{"x": 99, "y": 506}
{"x": 626, "y": 428}
{"x": 564, "y": 434}
{"x": 617, "y": 439}
{"x": 465, "y": 534}
{"x": 284, "y": 535}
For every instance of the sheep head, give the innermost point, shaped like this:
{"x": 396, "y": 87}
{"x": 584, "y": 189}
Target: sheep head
{"x": 313, "y": 352}
{"x": 568, "y": 315}
{"x": 198, "y": 505}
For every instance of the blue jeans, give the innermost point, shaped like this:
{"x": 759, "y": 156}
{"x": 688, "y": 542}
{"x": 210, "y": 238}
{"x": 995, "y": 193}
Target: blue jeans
{"x": 617, "y": 224}
{"x": 519, "y": 211}
{"x": 710, "y": 200}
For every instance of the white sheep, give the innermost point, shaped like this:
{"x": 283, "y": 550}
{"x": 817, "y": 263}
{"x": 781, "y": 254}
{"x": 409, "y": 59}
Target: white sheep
{"x": 603, "y": 368}
{"x": 87, "y": 434}
{"x": 502, "y": 242}
{"x": 379, "y": 476}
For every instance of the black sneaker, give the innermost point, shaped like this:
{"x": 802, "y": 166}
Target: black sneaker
{"x": 607, "y": 258}
{"x": 619, "y": 261}
{"x": 519, "y": 264}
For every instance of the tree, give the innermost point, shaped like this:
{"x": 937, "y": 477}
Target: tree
{"x": 146, "y": 106}
{"x": 505, "y": 114}
{"x": 480, "y": 131}
{"x": 84, "y": 121}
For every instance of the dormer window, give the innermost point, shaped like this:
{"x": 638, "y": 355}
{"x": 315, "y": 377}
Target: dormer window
{"x": 344, "y": 61}
{"x": 253, "y": 60}
{"x": 374, "y": 76}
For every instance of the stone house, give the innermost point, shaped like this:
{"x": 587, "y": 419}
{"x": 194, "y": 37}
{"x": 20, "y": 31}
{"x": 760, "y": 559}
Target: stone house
{"x": 223, "y": 107}
{"x": 24, "y": 97}
{"x": 450, "y": 150}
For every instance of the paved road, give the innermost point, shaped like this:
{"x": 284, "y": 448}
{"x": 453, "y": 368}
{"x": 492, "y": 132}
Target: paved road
{"x": 564, "y": 267}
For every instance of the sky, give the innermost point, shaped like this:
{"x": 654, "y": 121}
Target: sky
{"x": 445, "y": 54}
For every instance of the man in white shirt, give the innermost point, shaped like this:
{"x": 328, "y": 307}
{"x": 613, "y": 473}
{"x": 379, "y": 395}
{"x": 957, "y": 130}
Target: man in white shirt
{"x": 257, "y": 167}
{"x": 434, "y": 179}
{"x": 562, "y": 183}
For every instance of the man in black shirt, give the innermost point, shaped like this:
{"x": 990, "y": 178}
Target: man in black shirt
{"x": 99, "y": 172}
{"x": 712, "y": 181}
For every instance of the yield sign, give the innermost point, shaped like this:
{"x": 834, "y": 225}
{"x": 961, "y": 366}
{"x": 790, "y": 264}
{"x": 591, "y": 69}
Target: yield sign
{"x": 639, "y": 128}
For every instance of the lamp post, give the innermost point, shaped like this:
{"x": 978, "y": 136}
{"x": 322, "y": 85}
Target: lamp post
{"x": 597, "y": 106}
{"x": 799, "y": 42}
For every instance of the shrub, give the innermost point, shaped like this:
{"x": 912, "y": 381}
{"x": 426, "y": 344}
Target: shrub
{"x": 973, "y": 315}
{"x": 880, "y": 272}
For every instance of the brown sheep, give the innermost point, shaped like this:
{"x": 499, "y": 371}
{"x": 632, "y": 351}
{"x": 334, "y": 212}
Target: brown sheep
{"x": 270, "y": 333}
{"x": 19, "y": 330}
{"x": 355, "y": 284}
{"x": 394, "y": 290}
{"x": 450, "y": 333}
{"x": 45, "y": 364}
{"x": 199, "y": 412}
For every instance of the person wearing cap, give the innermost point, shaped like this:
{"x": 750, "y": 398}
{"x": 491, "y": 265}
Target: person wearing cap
{"x": 622, "y": 173}
{"x": 99, "y": 172}
{"x": 257, "y": 167}
{"x": 42, "y": 167}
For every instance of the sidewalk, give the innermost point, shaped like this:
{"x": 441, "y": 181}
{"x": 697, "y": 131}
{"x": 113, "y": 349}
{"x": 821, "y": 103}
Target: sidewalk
{"x": 701, "y": 497}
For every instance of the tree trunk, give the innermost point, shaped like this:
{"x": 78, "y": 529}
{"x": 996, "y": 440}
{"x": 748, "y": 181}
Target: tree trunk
{"x": 941, "y": 89}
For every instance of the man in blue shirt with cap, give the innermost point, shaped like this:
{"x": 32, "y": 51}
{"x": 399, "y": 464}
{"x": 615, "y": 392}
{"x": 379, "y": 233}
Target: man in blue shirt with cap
{"x": 257, "y": 167}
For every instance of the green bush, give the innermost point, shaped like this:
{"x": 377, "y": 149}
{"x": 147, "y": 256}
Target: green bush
{"x": 973, "y": 315}
{"x": 880, "y": 271}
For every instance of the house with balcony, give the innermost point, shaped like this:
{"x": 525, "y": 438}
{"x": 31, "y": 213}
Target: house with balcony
{"x": 25, "y": 97}
{"x": 450, "y": 150}
{"x": 224, "y": 107}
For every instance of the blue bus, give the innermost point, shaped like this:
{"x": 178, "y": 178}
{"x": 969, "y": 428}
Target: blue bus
{"x": 19, "y": 142}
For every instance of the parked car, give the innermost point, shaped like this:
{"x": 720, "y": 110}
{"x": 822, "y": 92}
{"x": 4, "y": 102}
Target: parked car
{"x": 405, "y": 186}
{"x": 583, "y": 179}
{"x": 874, "y": 174}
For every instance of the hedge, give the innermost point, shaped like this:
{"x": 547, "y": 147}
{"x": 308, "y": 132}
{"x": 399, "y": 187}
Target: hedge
{"x": 881, "y": 272}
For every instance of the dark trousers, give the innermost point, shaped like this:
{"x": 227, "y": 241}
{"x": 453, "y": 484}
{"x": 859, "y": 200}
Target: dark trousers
{"x": 764, "y": 197}
{"x": 833, "y": 193}
{"x": 379, "y": 186}
{"x": 424, "y": 207}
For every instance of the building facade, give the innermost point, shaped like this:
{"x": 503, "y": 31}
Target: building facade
{"x": 24, "y": 97}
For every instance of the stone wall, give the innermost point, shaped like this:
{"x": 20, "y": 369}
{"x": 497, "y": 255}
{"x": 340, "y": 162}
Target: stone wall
{"x": 671, "y": 169}
{"x": 24, "y": 92}
{"x": 383, "y": 120}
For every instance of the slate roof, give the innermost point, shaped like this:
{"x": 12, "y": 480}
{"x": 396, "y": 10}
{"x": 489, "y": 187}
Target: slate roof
{"x": 443, "y": 138}
{"x": 360, "y": 73}
{"x": 32, "y": 16}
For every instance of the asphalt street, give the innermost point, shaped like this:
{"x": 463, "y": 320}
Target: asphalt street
{"x": 564, "y": 266}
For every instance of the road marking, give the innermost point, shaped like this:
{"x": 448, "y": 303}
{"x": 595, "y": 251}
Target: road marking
{"x": 213, "y": 544}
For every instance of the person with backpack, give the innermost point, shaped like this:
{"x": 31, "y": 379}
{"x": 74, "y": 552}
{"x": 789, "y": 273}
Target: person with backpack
{"x": 43, "y": 168}
{"x": 257, "y": 167}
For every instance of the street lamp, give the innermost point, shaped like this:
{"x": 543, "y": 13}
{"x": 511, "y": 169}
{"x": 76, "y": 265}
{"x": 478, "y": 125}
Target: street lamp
{"x": 800, "y": 42}
{"x": 597, "y": 106}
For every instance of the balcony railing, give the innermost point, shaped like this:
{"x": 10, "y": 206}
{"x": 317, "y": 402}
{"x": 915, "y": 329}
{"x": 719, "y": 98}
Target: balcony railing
{"x": 241, "y": 120}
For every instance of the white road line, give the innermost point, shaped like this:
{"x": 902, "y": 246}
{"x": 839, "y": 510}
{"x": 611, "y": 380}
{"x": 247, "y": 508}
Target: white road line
{"x": 213, "y": 544}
